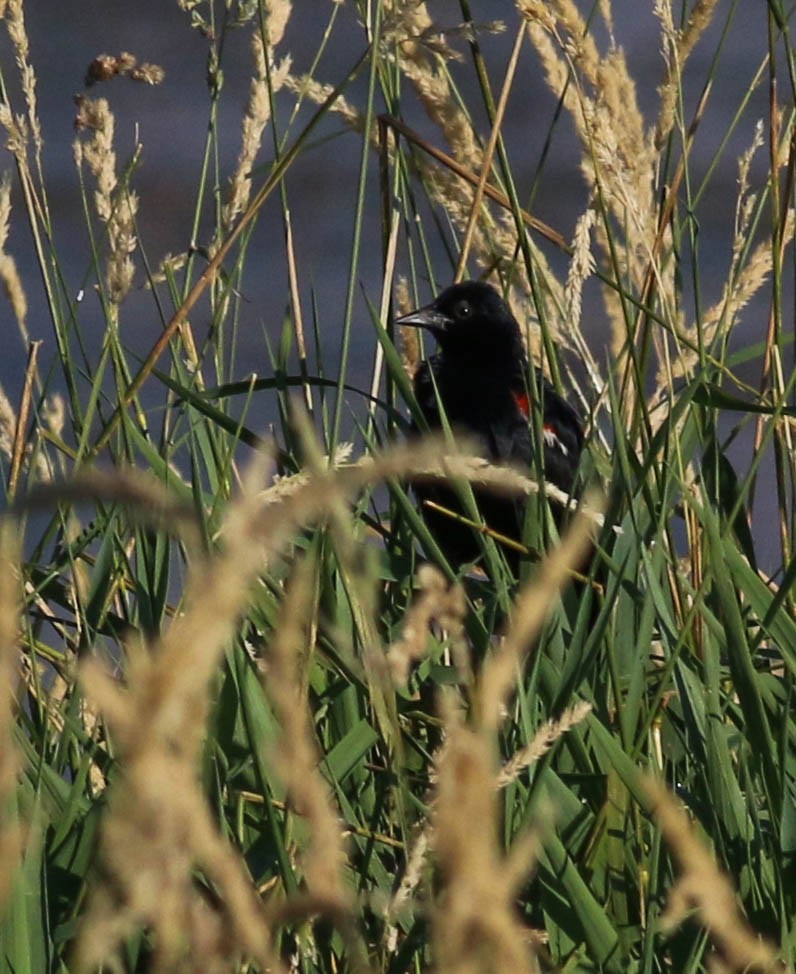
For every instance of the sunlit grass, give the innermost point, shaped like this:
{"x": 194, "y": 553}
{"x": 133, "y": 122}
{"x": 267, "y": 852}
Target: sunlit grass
{"x": 249, "y": 728}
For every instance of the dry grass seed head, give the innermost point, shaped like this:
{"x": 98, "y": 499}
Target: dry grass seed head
{"x": 437, "y": 602}
{"x": 677, "y": 47}
{"x": 95, "y": 118}
{"x": 5, "y": 208}
{"x": 15, "y": 20}
{"x": 9, "y": 275}
{"x": 500, "y": 671}
{"x": 426, "y": 72}
{"x": 542, "y": 741}
{"x": 296, "y": 751}
{"x": 415, "y": 866}
{"x": 408, "y": 338}
{"x": 473, "y": 923}
{"x": 307, "y": 87}
{"x": 12, "y": 285}
{"x": 702, "y": 886}
{"x": 16, "y": 130}
{"x": 278, "y": 13}
{"x": 107, "y": 66}
{"x": 258, "y": 107}
{"x": 8, "y": 425}
{"x": 116, "y": 204}
{"x": 122, "y": 240}
{"x": 581, "y": 267}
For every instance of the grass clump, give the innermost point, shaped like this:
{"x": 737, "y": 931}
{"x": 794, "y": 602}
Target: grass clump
{"x": 244, "y": 725}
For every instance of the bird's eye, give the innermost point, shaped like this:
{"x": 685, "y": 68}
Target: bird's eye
{"x": 463, "y": 309}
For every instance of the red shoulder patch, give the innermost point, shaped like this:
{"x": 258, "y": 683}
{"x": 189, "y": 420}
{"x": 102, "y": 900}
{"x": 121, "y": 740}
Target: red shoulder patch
{"x": 522, "y": 401}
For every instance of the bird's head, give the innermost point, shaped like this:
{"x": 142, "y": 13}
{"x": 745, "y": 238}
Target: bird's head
{"x": 470, "y": 320}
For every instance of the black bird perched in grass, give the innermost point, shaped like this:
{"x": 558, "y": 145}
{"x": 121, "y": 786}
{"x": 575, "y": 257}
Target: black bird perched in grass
{"x": 480, "y": 375}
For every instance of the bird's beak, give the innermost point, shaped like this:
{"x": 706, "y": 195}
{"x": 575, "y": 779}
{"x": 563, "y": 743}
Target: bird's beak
{"x": 427, "y": 317}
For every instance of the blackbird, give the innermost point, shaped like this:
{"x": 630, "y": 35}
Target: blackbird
{"x": 480, "y": 377}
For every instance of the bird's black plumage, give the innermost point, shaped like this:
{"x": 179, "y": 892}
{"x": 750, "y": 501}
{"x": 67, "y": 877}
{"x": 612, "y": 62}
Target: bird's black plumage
{"x": 481, "y": 376}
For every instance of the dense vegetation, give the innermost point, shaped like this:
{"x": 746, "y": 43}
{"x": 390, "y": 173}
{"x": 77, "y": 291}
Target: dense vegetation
{"x": 250, "y": 720}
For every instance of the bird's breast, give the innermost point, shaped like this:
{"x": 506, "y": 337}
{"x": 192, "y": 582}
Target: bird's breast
{"x": 483, "y": 405}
